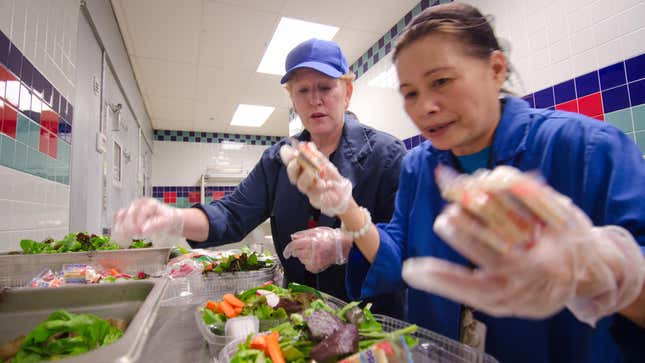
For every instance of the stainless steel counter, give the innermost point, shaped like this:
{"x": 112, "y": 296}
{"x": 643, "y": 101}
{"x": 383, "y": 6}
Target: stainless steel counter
{"x": 174, "y": 337}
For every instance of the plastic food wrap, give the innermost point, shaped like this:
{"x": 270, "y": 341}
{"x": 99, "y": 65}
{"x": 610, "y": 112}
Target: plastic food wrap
{"x": 514, "y": 206}
{"x": 387, "y": 351}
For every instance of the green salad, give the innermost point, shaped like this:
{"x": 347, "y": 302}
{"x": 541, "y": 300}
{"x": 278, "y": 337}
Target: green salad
{"x": 76, "y": 242}
{"x": 63, "y": 334}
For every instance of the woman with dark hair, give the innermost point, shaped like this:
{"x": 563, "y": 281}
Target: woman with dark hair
{"x": 538, "y": 304}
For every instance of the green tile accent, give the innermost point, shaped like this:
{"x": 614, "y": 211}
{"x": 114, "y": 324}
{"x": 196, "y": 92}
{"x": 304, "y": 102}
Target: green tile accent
{"x": 386, "y": 38}
{"x": 7, "y": 151}
{"x": 638, "y": 113}
{"x": 21, "y": 157}
{"x": 621, "y": 119}
{"x": 22, "y": 129}
{"x": 35, "y": 163}
{"x": 64, "y": 151}
{"x": 640, "y": 140}
{"x": 416, "y": 10}
{"x": 34, "y": 135}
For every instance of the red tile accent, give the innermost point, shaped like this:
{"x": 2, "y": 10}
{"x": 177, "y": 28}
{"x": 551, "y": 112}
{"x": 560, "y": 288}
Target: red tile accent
{"x": 591, "y": 105}
{"x": 10, "y": 120}
{"x": 49, "y": 119}
{"x": 571, "y": 106}
{"x": 53, "y": 145}
{"x": 43, "y": 146}
{"x": 218, "y": 195}
{"x": 194, "y": 197}
{"x": 600, "y": 117}
{"x": 2, "y": 107}
{"x": 170, "y": 197}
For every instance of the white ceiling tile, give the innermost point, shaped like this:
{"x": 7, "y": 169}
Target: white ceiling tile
{"x": 167, "y": 79}
{"x": 164, "y": 29}
{"x": 265, "y": 89}
{"x": 330, "y": 12}
{"x": 170, "y": 108}
{"x": 235, "y": 37}
{"x": 271, "y": 6}
{"x": 214, "y": 83}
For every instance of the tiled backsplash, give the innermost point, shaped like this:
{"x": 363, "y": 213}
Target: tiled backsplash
{"x": 186, "y": 196}
{"x": 214, "y": 137}
{"x": 35, "y": 119}
{"x": 614, "y": 94}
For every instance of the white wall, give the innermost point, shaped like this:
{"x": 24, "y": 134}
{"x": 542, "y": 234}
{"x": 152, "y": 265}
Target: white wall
{"x": 45, "y": 32}
{"x": 551, "y": 41}
{"x": 182, "y": 163}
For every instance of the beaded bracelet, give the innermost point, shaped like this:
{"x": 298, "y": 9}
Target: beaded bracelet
{"x": 363, "y": 230}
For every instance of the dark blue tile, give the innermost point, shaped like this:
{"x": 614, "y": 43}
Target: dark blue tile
{"x": 612, "y": 76}
{"x": 407, "y": 143}
{"x": 615, "y": 99}
{"x": 388, "y": 47}
{"x": 370, "y": 53}
{"x": 248, "y": 137}
{"x": 48, "y": 91}
{"x": 587, "y": 84}
{"x": 203, "y": 134}
{"x": 635, "y": 68}
{"x": 209, "y": 140}
{"x": 27, "y": 72}
{"x": 173, "y": 138}
{"x": 220, "y": 140}
{"x": 4, "y": 48}
{"x": 63, "y": 106}
{"x": 407, "y": 19}
{"x": 38, "y": 85}
{"x": 55, "y": 101}
{"x": 637, "y": 92}
{"x": 198, "y": 139}
{"x": 166, "y": 132}
{"x": 185, "y": 139}
{"x": 544, "y": 98}
{"x": 381, "y": 43}
{"x": 191, "y": 133}
{"x": 70, "y": 113}
{"x": 565, "y": 91}
{"x": 529, "y": 99}
{"x": 252, "y": 142}
{"x": 236, "y": 136}
{"x": 14, "y": 60}
{"x": 180, "y": 133}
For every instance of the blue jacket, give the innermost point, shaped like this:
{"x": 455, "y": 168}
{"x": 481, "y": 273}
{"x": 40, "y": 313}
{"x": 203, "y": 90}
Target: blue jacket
{"x": 371, "y": 159}
{"x": 595, "y": 164}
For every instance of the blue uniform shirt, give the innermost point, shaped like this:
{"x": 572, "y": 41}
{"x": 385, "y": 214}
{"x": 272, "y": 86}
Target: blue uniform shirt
{"x": 593, "y": 163}
{"x": 371, "y": 159}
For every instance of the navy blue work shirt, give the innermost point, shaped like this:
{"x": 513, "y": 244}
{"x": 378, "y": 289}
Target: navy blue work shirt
{"x": 369, "y": 158}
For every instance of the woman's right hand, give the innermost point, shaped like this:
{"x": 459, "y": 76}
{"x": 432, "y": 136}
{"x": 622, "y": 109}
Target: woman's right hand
{"x": 147, "y": 217}
{"x": 327, "y": 190}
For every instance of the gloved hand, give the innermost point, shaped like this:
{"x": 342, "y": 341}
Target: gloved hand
{"x": 318, "y": 248}
{"x": 147, "y": 217}
{"x": 327, "y": 189}
{"x": 592, "y": 271}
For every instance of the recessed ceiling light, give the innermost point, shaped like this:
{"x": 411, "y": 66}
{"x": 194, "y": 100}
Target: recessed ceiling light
{"x": 251, "y": 115}
{"x": 288, "y": 34}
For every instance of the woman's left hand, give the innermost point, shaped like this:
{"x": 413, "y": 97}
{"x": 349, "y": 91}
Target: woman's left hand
{"x": 592, "y": 271}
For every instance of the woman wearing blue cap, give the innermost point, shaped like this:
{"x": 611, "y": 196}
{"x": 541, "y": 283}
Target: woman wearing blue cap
{"x": 319, "y": 84}
{"x": 527, "y": 270}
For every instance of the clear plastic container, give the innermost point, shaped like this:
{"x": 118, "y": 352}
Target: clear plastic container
{"x": 217, "y": 342}
{"x": 432, "y": 347}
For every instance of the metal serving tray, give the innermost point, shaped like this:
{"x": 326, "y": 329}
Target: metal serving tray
{"x": 136, "y": 302}
{"x": 18, "y": 270}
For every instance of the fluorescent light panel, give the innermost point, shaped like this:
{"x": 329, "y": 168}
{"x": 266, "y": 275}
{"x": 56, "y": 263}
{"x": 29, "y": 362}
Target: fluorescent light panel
{"x": 291, "y": 32}
{"x": 251, "y": 115}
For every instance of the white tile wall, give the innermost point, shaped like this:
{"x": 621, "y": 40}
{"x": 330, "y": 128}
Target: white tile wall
{"x": 31, "y": 207}
{"x": 45, "y": 32}
{"x": 550, "y": 41}
{"x": 183, "y": 163}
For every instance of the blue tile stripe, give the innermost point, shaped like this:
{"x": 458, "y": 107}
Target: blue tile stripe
{"x": 386, "y": 43}
{"x": 214, "y": 137}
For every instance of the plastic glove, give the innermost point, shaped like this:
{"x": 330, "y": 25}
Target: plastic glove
{"x": 318, "y": 248}
{"x": 326, "y": 189}
{"x": 147, "y": 217}
{"x": 592, "y": 271}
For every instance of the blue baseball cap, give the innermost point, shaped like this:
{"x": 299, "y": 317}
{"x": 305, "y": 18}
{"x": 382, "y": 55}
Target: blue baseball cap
{"x": 323, "y": 56}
